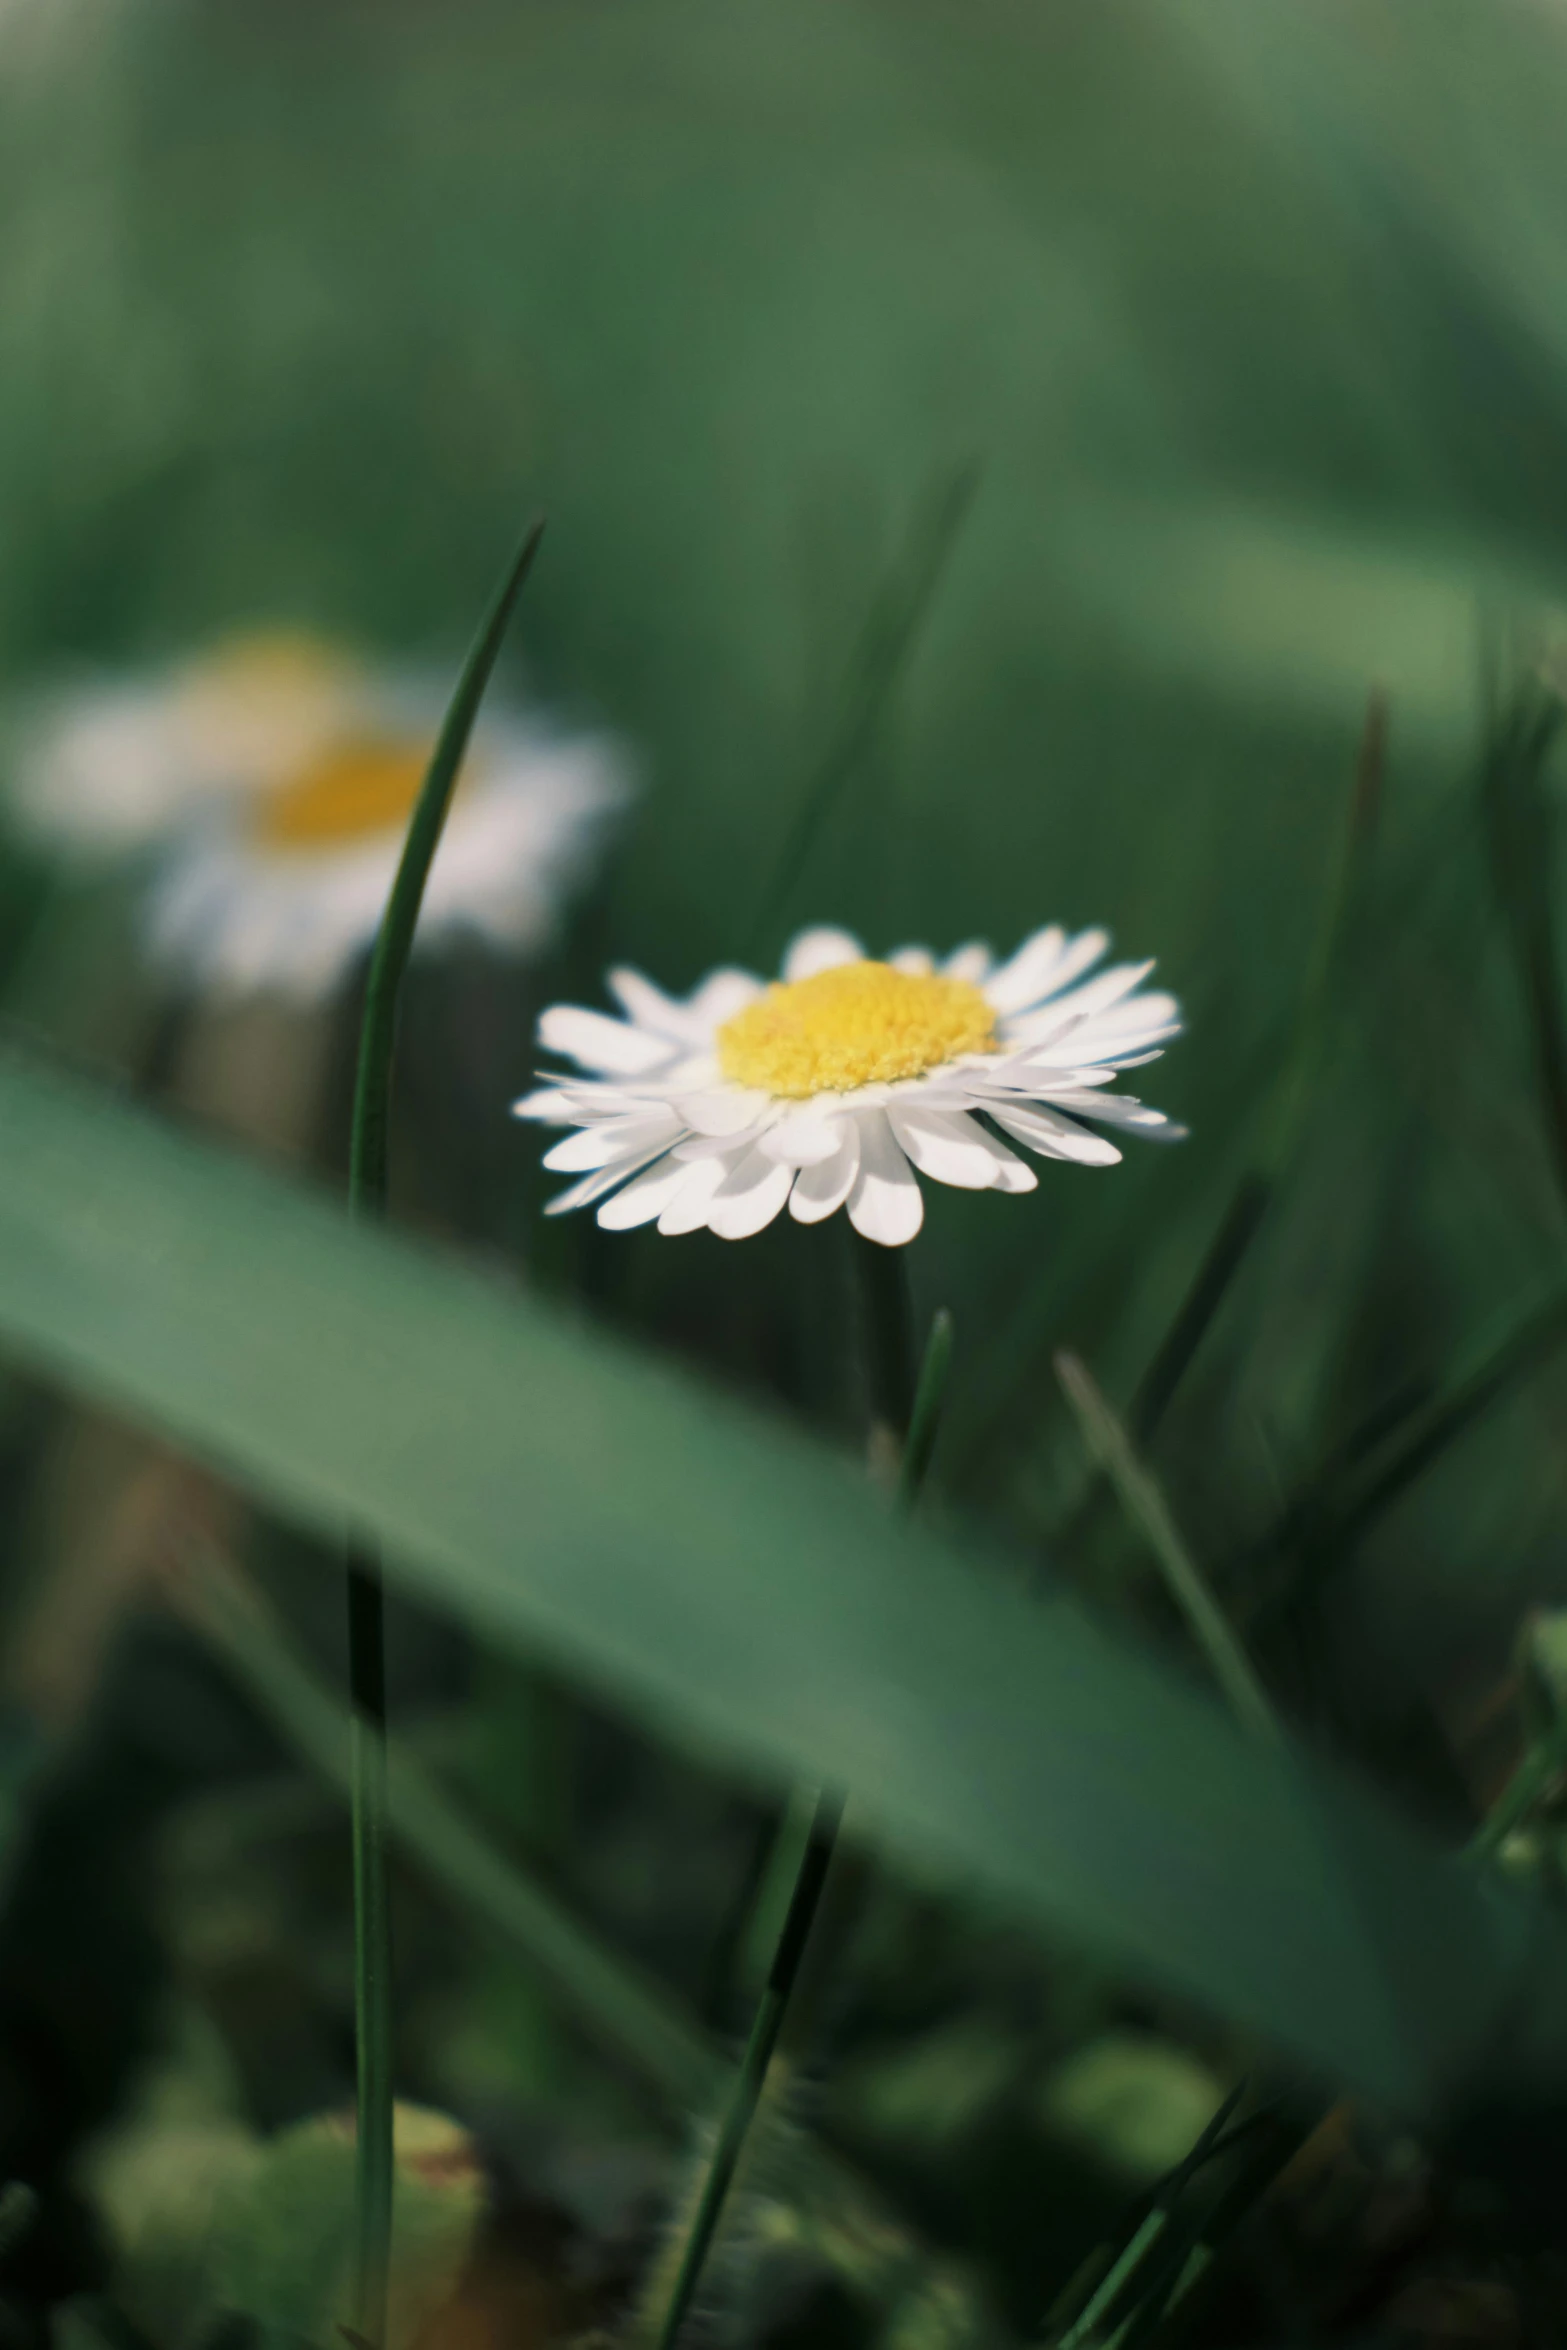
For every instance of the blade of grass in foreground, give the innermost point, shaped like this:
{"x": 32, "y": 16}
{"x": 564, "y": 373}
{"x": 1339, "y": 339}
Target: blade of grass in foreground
{"x": 997, "y": 1742}
{"x": 367, "y": 1182}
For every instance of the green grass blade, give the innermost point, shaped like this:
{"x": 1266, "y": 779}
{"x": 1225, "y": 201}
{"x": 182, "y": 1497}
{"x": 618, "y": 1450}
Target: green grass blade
{"x": 802, "y": 1864}
{"x": 612, "y": 2002}
{"x": 344, "y": 1375}
{"x": 1331, "y": 1515}
{"x": 1520, "y": 820}
{"x": 1291, "y": 1097}
{"x": 930, "y": 1394}
{"x": 367, "y": 1182}
{"x": 625, "y": 2014}
{"x": 890, "y": 635}
{"x": 394, "y": 941}
{"x": 1144, "y": 1503}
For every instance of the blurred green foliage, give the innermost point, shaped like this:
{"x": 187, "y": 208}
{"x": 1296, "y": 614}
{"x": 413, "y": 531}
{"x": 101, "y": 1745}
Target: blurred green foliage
{"x": 1248, "y": 323}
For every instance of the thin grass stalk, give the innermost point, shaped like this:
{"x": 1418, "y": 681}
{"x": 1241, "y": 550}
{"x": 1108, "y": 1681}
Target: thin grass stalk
{"x": 1544, "y": 1762}
{"x": 1327, "y": 1524}
{"x": 886, "y": 1315}
{"x": 665, "y": 2049}
{"x": 1144, "y": 1503}
{"x": 610, "y": 1999}
{"x": 1520, "y": 827}
{"x": 1113, "y": 2301}
{"x": 745, "y": 2095}
{"x": 911, "y": 1409}
{"x": 1291, "y": 1098}
{"x": 925, "y": 1419}
{"x": 890, "y": 635}
{"x": 367, "y": 1188}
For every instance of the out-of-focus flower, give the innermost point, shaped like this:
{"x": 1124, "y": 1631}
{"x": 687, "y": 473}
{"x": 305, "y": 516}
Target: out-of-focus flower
{"x": 114, "y": 765}
{"x": 831, "y": 1088}
{"x": 284, "y": 891}
{"x": 276, "y": 779}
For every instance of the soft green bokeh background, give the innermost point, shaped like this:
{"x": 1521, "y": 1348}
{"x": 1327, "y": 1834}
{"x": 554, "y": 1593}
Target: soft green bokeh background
{"x": 1251, "y": 319}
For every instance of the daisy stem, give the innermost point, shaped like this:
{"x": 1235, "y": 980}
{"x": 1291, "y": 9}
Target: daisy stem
{"x": 810, "y": 1865}
{"x": 367, "y": 1186}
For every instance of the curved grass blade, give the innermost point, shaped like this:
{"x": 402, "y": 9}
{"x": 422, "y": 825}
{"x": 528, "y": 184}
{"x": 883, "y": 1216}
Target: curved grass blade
{"x": 367, "y": 1182}
{"x": 345, "y": 1376}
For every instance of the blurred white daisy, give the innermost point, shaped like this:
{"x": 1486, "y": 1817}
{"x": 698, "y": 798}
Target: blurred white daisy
{"x": 276, "y": 777}
{"x": 109, "y": 765}
{"x": 281, "y": 893}
{"x": 831, "y": 1087}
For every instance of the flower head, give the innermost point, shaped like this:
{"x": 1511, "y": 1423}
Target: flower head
{"x": 276, "y": 776}
{"x": 112, "y": 765}
{"x": 830, "y": 1087}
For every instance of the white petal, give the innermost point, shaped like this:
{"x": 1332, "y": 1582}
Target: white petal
{"x": 1110, "y": 1046}
{"x": 1117, "y": 1109}
{"x": 821, "y": 950}
{"x": 885, "y": 1204}
{"x": 1013, "y": 1174}
{"x": 971, "y": 962}
{"x": 1053, "y": 1017}
{"x": 648, "y": 1196}
{"x": 722, "y": 994}
{"x": 1055, "y": 1138}
{"x": 591, "y": 1100}
{"x": 918, "y": 960}
{"x": 821, "y": 1190}
{"x": 647, "y": 1006}
{"x": 947, "y": 1146}
{"x": 804, "y": 1137}
{"x": 592, "y": 1187}
{"x": 548, "y": 1104}
{"x": 595, "y": 1041}
{"x": 615, "y": 1138}
{"x": 749, "y": 1197}
{"x": 687, "y": 1209}
{"x": 1043, "y": 964}
{"x": 722, "y": 1109}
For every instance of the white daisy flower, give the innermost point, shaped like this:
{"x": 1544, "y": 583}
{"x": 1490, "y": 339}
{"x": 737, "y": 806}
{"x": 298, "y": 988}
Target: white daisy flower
{"x": 277, "y": 775}
{"x": 832, "y": 1086}
{"x": 109, "y": 765}
{"x": 283, "y": 891}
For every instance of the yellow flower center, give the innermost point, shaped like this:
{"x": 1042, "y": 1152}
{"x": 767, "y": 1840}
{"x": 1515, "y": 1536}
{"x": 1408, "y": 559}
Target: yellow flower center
{"x": 861, "y": 1024}
{"x": 349, "y": 793}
